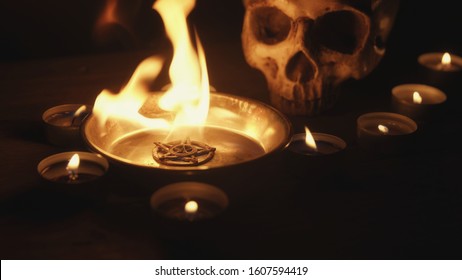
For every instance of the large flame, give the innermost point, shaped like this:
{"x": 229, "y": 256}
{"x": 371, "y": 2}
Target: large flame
{"x": 127, "y": 103}
{"x": 189, "y": 94}
{"x": 187, "y": 98}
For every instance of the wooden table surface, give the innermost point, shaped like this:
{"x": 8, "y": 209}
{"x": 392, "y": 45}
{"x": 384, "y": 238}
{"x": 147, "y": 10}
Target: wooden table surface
{"x": 360, "y": 206}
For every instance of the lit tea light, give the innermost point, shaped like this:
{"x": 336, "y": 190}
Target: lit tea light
{"x": 384, "y": 132}
{"x": 443, "y": 62}
{"x": 73, "y": 167}
{"x": 62, "y": 124}
{"x": 316, "y": 144}
{"x": 189, "y": 201}
{"x": 417, "y": 101}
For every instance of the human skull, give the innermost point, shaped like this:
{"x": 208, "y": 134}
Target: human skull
{"x": 307, "y": 48}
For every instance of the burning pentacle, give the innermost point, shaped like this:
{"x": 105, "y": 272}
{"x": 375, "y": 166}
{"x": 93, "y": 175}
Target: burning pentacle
{"x": 182, "y": 153}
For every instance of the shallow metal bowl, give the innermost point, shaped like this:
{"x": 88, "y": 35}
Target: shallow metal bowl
{"x": 241, "y": 129}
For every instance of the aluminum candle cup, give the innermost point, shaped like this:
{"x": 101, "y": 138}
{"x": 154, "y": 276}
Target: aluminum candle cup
{"x": 189, "y": 201}
{"x": 326, "y": 160}
{"x": 62, "y": 124}
{"x": 385, "y": 133}
{"x": 417, "y": 101}
{"x": 326, "y": 145}
{"x": 78, "y": 179}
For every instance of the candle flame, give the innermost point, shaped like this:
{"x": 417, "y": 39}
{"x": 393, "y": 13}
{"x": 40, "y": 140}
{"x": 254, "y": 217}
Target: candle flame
{"x": 416, "y": 98}
{"x": 446, "y": 59}
{"x": 382, "y": 128}
{"x": 79, "y": 111}
{"x": 73, "y": 166}
{"x": 309, "y": 140}
{"x": 74, "y": 162}
{"x": 191, "y": 207}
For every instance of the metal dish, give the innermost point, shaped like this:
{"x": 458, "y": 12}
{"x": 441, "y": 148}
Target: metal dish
{"x": 240, "y": 129}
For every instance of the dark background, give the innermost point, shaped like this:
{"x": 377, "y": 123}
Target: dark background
{"x": 406, "y": 206}
{"x": 51, "y": 28}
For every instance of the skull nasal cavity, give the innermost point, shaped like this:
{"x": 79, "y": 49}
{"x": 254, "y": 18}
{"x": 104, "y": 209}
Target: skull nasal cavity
{"x": 300, "y": 69}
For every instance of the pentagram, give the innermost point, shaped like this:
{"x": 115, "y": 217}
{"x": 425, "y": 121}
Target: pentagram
{"x": 182, "y": 153}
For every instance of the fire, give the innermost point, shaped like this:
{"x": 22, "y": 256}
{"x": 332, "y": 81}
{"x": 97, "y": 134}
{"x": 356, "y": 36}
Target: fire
{"x": 309, "y": 140}
{"x": 126, "y": 104}
{"x": 382, "y": 128}
{"x": 189, "y": 94}
{"x": 416, "y": 98}
{"x": 188, "y": 97}
{"x": 446, "y": 59}
{"x": 191, "y": 207}
{"x": 80, "y": 110}
{"x": 73, "y": 166}
{"x": 74, "y": 162}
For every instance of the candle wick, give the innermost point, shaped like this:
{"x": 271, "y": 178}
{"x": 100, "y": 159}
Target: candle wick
{"x": 73, "y": 175}
{"x": 73, "y": 120}
{"x": 78, "y": 119}
{"x": 443, "y": 66}
{"x": 190, "y": 217}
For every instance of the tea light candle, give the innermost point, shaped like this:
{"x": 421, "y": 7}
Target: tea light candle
{"x": 417, "y": 101}
{"x": 384, "y": 132}
{"x": 62, "y": 124}
{"x": 189, "y": 201}
{"x": 73, "y": 168}
{"x": 316, "y": 144}
{"x": 443, "y": 62}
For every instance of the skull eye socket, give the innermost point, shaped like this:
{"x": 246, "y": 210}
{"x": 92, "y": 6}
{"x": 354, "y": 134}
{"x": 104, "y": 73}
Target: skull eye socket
{"x": 341, "y": 31}
{"x": 270, "y": 25}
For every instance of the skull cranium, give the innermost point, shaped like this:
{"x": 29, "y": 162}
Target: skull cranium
{"x": 306, "y": 48}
